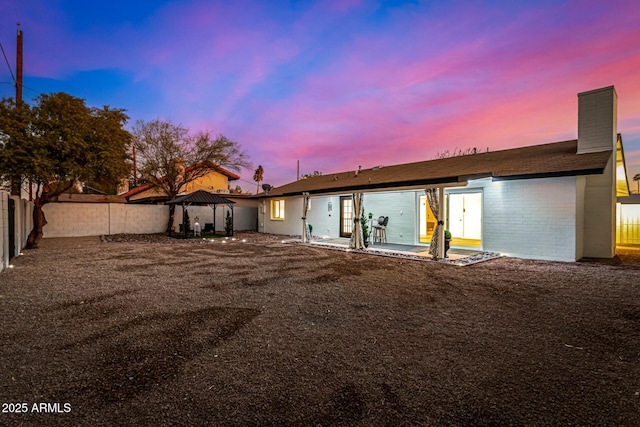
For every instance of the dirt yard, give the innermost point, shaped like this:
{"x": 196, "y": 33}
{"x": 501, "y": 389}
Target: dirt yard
{"x": 196, "y": 333}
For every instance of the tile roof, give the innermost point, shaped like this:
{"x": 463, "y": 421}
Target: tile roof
{"x": 536, "y": 161}
{"x": 137, "y": 190}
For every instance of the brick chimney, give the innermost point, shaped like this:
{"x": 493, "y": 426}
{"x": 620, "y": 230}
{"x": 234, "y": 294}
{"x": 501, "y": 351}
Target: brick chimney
{"x": 597, "y": 132}
{"x": 597, "y": 120}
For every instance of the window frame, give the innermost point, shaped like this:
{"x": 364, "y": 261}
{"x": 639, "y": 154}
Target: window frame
{"x": 277, "y": 211}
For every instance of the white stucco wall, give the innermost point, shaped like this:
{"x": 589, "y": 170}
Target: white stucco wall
{"x": 600, "y": 214}
{"x": 580, "y": 190}
{"x": 325, "y": 223}
{"x": 291, "y": 225}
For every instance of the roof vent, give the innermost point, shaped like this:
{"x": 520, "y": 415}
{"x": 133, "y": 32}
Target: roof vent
{"x": 375, "y": 168}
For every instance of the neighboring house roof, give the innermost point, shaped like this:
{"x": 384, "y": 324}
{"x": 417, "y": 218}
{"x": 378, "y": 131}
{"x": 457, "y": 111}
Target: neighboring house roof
{"x": 200, "y": 197}
{"x": 137, "y": 190}
{"x": 89, "y": 198}
{"x": 210, "y": 165}
{"x": 537, "y": 161}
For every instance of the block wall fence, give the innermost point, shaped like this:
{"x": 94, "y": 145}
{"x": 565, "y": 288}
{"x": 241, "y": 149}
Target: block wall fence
{"x": 23, "y": 223}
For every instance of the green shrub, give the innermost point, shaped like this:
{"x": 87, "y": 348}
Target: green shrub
{"x": 228, "y": 224}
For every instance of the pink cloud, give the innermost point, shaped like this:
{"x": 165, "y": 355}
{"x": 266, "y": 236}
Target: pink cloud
{"x": 357, "y": 86}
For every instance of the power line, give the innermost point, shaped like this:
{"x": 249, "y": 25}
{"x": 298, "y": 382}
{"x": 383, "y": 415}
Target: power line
{"x": 8, "y": 65}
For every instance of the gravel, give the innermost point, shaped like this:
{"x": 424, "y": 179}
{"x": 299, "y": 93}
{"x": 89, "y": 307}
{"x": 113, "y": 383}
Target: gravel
{"x": 147, "y": 330}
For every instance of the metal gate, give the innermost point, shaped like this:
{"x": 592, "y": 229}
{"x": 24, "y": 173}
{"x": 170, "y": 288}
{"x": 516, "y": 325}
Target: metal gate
{"x": 628, "y": 227}
{"x": 12, "y": 228}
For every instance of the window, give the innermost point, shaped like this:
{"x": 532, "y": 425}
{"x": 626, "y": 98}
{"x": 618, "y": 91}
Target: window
{"x": 277, "y": 209}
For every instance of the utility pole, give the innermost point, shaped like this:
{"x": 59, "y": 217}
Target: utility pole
{"x": 19, "y": 68}
{"x": 16, "y": 183}
{"x": 135, "y": 168}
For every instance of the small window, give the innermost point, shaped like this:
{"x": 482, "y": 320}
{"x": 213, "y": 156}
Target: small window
{"x": 277, "y": 209}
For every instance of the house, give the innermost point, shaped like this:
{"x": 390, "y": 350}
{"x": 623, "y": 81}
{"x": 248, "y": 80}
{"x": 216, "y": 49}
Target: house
{"x": 554, "y": 201}
{"x": 215, "y": 181}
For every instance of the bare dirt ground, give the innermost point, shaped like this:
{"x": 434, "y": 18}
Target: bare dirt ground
{"x": 194, "y": 333}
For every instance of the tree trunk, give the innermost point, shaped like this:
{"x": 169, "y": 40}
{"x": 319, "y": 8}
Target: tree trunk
{"x": 172, "y": 212}
{"x": 39, "y": 221}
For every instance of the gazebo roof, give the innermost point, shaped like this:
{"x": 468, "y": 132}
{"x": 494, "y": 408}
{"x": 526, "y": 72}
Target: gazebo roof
{"x": 200, "y": 197}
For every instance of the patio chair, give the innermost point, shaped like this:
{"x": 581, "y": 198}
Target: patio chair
{"x": 208, "y": 228}
{"x": 380, "y": 230}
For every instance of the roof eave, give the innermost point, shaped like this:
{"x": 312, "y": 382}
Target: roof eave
{"x": 556, "y": 174}
{"x": 369, "y": 187}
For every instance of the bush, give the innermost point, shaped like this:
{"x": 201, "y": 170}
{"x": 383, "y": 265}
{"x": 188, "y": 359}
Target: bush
{"x": 228, "y": 224}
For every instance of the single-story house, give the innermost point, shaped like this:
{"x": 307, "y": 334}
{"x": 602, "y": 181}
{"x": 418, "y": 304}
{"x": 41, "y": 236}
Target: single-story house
{"x": 554, "y": 201}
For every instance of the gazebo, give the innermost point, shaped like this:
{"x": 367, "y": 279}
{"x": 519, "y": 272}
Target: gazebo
{"x": 201, "y": 198}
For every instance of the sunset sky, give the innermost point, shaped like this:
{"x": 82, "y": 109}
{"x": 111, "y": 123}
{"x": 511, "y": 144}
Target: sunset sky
{"x": 338, "y": 83}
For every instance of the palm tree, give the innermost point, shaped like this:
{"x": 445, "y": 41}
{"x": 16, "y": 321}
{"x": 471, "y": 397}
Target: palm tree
{"x": 257, "y": 177}
{"x": 637, "y": 179}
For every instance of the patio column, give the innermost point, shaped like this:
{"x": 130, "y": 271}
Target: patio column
{"x": 305, "y": 208}
{"x": 357, "y": 238}
{"x": 435, "y": 197}
{"x": 441, "y": 218}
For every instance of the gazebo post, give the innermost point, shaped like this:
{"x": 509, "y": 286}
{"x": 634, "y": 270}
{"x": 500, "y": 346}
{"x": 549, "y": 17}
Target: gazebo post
{"x": 214, "y": 218}
{"x": 184, "y": 222}
{"x": 232, "y": 231}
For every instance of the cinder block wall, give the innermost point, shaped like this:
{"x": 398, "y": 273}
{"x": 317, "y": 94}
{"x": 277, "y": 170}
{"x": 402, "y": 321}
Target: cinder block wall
{"x": 244, "y": 217}
{"x": 4, "y": 230}
{"x": 533, "y": 218}
{"x": 138, "y": 219}
{"x": 23, "y": 211}
{"x": 96, "y": 219}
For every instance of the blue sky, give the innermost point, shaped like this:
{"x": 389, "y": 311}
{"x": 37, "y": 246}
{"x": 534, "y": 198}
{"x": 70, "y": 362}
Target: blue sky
{"x": 337, "y": 84}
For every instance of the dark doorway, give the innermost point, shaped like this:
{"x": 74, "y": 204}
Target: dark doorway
{"x": 12, "y": 228}
{"x": 346, "y": 216}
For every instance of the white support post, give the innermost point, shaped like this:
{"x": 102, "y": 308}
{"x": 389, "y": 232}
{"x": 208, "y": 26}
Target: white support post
{"x": 441, "y": 217}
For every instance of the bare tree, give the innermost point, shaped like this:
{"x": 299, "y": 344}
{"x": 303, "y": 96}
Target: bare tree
{"x": 170, "y": 157}
{"x": 460, "y": 152}
{"x": 309, "y": 175}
